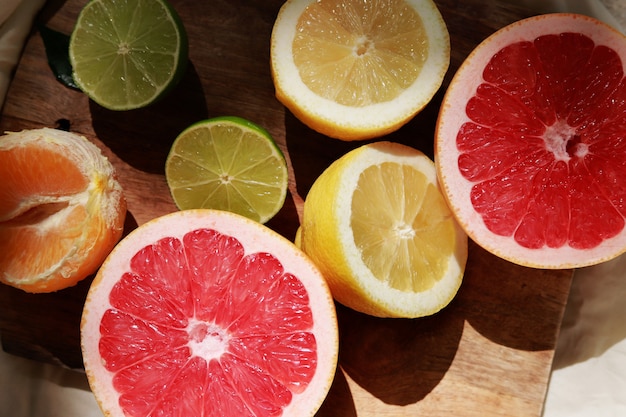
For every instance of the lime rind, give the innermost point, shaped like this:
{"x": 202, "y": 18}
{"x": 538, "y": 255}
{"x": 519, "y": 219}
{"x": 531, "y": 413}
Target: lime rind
{"x": 127, "y": 55}
{"x": 242, "y": 122}
{"x": 228, "y": 163}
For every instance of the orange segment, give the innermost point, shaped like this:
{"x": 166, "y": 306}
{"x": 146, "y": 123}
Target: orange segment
{"x": 34, "y": 172}
{"x": 61, "y": 209}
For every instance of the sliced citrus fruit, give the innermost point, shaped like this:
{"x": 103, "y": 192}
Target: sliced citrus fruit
{"x": 208, "y": 313}
{"x": 61, "y": 209}
{"x": 228, "y": 163}
{"x": 359, "y": 69}
{"x": 379, "y": 229}
{"x": 128, "y": 54}
{"x": 530, "y": 142}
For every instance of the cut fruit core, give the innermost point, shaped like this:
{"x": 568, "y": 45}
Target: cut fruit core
{"x": 563, "y": 141}
{"x": 208, "y": 341}
{"x": 358, "y": 53}
{"x": 544, "y": 145}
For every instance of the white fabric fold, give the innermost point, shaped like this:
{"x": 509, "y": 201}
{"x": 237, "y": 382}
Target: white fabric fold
{"x": 16, "y": 19}
{"x": 594, "y": 8}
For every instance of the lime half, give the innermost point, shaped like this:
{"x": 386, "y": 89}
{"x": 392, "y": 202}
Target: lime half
{"x": 228, "y": 163}
{"x": 127, "y": 54}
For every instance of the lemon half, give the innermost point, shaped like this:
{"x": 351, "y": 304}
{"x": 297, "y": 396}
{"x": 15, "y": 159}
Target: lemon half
{"x": 376, "y": 224}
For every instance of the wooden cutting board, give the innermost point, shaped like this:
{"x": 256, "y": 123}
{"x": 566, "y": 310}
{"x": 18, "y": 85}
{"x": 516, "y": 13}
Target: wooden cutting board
{"x": 487, "y": 354}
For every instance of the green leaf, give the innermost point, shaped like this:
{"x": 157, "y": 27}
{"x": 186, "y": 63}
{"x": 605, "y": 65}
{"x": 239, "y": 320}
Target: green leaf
{"x": 57, "y": 51}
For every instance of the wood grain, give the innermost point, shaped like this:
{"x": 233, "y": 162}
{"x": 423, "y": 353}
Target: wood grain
{"x": 488, "y": 354}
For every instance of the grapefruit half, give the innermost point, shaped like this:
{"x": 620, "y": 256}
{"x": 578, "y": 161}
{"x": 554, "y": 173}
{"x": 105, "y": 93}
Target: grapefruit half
{"x": 204, "y": 312}
{"x": 531, "y": 142}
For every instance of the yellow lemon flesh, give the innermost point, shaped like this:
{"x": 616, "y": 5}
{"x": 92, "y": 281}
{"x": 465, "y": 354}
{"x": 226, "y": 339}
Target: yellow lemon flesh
{"x": 377, "y": 225}
{"x": 360, "y": 69}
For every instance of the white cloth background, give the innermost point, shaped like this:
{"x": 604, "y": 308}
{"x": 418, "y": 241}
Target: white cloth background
{"x": 589, "y": 377}
{"x": 16, "y": 18}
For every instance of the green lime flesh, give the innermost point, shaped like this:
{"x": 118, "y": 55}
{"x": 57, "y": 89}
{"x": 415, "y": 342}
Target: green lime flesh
{"x": 228, "y": 163}
{"x": 128, "y": 54}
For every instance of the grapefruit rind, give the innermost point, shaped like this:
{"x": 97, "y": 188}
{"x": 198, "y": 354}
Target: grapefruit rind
{"x": 356, "y": 123}
{"x": 457, "y": 189}
{"x": 255, "y": 238}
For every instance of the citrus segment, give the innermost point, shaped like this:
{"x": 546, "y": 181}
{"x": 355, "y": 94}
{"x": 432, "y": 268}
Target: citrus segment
{"x": 529, "y": 142}
{"x": 205, "y": 312}
{"x": 61, "y": 209}
{"x": 228, "y": 163}
{"x": 127, "y": 54}
{"x": 378, "y": 227}
{"x": 360, "y": 69}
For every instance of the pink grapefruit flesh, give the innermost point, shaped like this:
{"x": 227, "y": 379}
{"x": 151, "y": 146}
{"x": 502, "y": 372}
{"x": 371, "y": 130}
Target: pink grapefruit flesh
{"x": 204, "y": 312}
{"x": 531, "y": 142}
